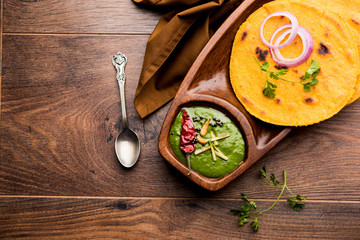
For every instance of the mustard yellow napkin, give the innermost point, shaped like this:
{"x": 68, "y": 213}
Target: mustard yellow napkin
{"x": 173, "y": 46}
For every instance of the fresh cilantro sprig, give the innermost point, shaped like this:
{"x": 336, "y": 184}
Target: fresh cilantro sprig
{"x": 249, "y": 208}
{"x": 312, "y": 72}
{"x": 269, "y": 88}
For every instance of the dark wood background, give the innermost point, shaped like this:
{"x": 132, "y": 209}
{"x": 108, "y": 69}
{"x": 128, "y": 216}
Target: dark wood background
{"x": 60, "y": 113}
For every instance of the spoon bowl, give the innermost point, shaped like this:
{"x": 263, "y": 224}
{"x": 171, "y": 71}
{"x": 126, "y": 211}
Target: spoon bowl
{"x": 127, "y": 147}
{"x": 127, "y": 144}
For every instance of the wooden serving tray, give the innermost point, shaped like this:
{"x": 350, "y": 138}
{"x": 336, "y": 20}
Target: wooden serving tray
{"x": 208, "y": 84}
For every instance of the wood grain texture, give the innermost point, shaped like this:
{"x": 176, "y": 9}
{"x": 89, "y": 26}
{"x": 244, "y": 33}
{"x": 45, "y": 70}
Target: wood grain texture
{"x": 61, "y": 112}
{"x": 1, "y": 35}
{"x": 77, "y": 16}
{"x": 74, "y": 218}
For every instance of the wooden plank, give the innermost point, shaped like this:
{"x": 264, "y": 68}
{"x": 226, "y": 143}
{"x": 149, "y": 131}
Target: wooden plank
{"x": 61, "y": 113}
{"x": 1, "y": 35}
{"x": 77, "y": 16}
{"x": 75, "y": 218}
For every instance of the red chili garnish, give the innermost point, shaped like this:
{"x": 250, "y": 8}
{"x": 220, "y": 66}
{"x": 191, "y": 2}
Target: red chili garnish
{"x": 188, "y": 134}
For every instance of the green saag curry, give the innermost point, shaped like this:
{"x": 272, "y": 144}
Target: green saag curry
{"x": 229, "y": 146}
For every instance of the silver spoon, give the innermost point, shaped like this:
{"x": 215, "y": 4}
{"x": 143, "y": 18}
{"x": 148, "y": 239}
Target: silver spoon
{"x": 127, "y": 144}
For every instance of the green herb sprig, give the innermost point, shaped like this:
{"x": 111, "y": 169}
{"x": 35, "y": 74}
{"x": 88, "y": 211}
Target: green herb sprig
{"x": 249, "y": 208}
{"x": 312, "y": 72}
{"x": 270, "y": 87}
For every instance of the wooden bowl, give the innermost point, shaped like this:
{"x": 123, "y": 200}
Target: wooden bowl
{"x": 208, "y": 84}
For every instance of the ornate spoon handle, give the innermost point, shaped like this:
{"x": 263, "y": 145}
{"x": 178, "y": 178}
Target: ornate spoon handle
{"x": 119, "y": 61}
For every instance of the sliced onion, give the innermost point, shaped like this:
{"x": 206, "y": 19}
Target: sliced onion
{"x": 294, "y": 29}
{"x": 308, "y": 46}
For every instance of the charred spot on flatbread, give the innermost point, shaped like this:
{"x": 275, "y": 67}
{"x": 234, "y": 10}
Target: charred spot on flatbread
{"x": 243, "y": 35}
{"x": 309, "y": 100}
{"x": 323, "y": 49}
{"x": 261, "y": 54}
{"x": 280, "y": 67}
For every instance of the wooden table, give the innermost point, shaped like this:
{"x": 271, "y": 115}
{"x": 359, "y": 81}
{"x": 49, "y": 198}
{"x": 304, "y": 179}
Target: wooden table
{"x": 60, "y": 113}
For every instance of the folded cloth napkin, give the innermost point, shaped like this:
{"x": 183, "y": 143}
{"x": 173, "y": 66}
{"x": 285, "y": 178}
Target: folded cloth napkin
{"x": 177, "y": 40}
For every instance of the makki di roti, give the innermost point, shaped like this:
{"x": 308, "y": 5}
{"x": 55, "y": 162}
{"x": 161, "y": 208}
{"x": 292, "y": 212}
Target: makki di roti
{"x": 350, "y": 12}
{"x": 335, "y": 51}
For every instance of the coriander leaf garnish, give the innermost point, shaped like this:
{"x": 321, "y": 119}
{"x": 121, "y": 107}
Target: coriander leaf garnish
{"x": 282, "y": 71}
{"x": 263, "y": 172}
{"x": 244, "y": 197}
{"x": 276, "y": 74}
{"x": 313, "y": 71}
{"x": 254, "y": 224}
{"x": 296, "y": 203}
{"x": 249, "y": 208}
{"x": 273, "y": 180}
{"x": 270, "y": 87}
{"x": 264, "y": 66}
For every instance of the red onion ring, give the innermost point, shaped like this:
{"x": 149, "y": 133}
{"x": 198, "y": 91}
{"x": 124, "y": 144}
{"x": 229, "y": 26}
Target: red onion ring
{"x": 294, "y": 29}
{"x": 308, "y": 46}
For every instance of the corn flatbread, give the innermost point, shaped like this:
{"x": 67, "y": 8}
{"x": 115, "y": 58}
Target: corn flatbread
{"x": 334, "y": 48}
{"x": 350, "y": 12}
